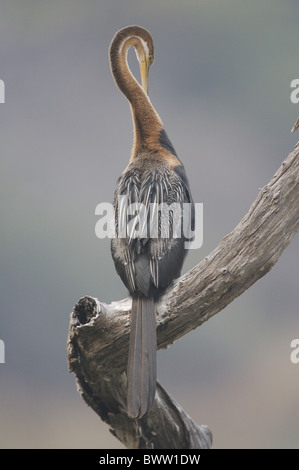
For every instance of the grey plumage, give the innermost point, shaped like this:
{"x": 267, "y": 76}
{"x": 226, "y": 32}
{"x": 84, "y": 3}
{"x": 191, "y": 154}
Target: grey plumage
{"x": 141, "y": 371}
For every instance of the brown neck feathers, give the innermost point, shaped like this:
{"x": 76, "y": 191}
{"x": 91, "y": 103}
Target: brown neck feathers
{"x": 147, "y": 123}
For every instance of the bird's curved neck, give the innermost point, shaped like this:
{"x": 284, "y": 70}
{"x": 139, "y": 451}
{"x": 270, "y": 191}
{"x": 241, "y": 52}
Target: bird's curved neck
{"x": 147, "y": 123}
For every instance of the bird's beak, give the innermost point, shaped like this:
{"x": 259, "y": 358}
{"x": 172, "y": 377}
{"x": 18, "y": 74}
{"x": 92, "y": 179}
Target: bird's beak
{"x": 144, "y": 69}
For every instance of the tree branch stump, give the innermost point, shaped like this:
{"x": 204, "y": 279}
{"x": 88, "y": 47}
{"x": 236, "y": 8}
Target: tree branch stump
{"x": 99, "y": 333}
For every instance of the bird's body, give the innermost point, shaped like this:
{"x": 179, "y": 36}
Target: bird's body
{"x": 148, "y": 256}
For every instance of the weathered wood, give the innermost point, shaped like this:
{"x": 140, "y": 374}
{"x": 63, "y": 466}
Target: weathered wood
{"x": 99, "y": 333}
{"x": 295, "y": 126}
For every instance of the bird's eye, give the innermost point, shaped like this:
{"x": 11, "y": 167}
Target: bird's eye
{"x": 150, "y": 59}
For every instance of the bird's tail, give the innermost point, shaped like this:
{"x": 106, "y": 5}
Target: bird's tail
{"x": 141, "y": 370}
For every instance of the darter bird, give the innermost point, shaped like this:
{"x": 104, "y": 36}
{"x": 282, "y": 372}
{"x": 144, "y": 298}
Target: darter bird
{"x": 147, "y": 257}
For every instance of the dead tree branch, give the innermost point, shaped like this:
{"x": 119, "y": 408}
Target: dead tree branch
{"x": 99, "y": 333}
{"x": 295, "y": 126}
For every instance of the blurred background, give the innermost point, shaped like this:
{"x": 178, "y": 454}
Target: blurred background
{"x": 221, "y": 84}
